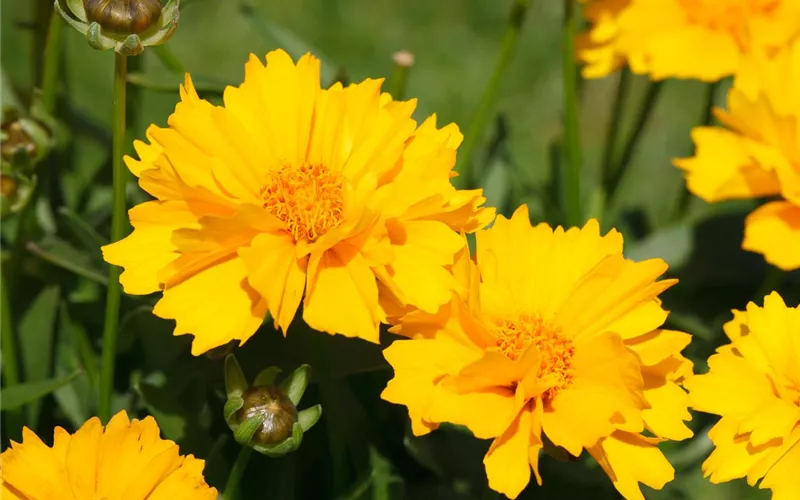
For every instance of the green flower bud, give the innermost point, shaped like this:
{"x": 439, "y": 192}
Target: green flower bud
{"x": 264, "y": 415}
{"x": 127, "y": 26}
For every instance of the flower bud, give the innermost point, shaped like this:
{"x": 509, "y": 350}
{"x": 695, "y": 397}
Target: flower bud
{"x": 264, "y": 415}
{"x": 278, "y": 412}
{"x": 127, "y": 26}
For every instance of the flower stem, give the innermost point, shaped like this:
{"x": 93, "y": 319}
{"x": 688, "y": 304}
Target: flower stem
{"x": 643, "y": 115}
{"x": 113, "y": 295}
{"x": 477, "y": 126}
{"x": 8, "y": 347}
{"x": 52, "y": 59}
{"x": 237, "y": 472}
{"x": 570, "y": 182}
{"x": 609, "y": 167}
{"x": 403, "y": 61}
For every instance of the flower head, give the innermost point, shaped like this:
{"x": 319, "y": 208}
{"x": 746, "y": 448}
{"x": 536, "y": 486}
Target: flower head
{"x": 127, "y": 26}
{"x": 287, "y": 193}
{"x": 699, "y": 39}
{"x": 757, "y": 154}
{"x": 551, "y": 333}
{"x": 126, "y": 459}
{"x": 753, "y": 383}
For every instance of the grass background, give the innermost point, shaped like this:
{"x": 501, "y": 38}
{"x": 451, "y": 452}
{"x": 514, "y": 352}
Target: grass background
{"x": 59, "y": 301}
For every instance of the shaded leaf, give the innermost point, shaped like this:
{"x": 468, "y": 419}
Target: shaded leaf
{"x": 36, "y": 332}
{"x": 60, "y": 253}
{"x": 19, "y": 395}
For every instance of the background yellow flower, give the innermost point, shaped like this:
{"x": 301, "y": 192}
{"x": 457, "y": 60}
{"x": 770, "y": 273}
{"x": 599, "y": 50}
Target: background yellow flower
{"x": 698, "y": 39}
{"x": 290, "y": 192}
{"x": 753, "y": 383}
{"x": 553, "y": 334}
{"x": 757, "y": 154}
{"x": 127, "y": 459}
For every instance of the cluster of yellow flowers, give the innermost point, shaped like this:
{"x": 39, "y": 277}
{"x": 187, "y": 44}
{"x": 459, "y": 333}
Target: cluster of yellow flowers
{"x": 339, "y": 199}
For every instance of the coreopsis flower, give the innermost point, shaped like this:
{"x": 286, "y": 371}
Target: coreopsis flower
{"x": 698, "y": 39}
{"x": 753, "y": 383}
{"x": 550, "y": 334}
{"x": 126, "y": 459}
{"x": 757, "y": 154}
{"x": 287, "y": 193}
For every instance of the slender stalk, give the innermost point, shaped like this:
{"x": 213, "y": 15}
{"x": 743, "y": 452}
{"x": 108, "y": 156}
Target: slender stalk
{"x": 403, "y": 61}
{"x": 237, "y": 472}
{"x": 642, "y": 118}
{"x": 570, "y": 181}
{"x": 51, "y": 63}
{"x": 480, "y": 119}
{"x": 623, "y": 87}
{"x": 169, "y": 59}
{"x": 8, "y": 346}
{"x": 113, "y": 295}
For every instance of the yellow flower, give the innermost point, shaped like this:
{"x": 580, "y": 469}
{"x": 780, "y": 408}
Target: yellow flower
{"x": 754, "y": 384}
{"x": 757, "y": 154}
{"x": 698, "y": 39}
{"x": 290, "y": 192}
{"x": 127, "y": 459}
{"x": 551, "y": 333}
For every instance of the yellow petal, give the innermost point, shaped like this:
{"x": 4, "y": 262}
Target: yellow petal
{"x": 774, "y": 231}
{"x": 507, "y": 465}
{"x": 782, "y": 477}
{"x": 733, "y": 456}
{"x": 606, "y": 394}
{"x": 185, "y": 483}
{"x": 723, "y": 168}
{"x": 774, "y": 329}
{"x": 216, "y": 305}
{"x": 32, "y": 469}
{"x": 342, "y": 295}
{"x": 146, "y": 251}
{"x": 668, "y": 407}
{"x": 658, "y": 345}
{"x": 487, "y": 413}
{"x": 630, "y": 459}
{"x": 82, "y": 458}
{"x": 275, "y": 273}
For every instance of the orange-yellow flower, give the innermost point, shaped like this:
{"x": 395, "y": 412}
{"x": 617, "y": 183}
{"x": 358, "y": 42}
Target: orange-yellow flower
{"x": 290, "y": 192}
{"x": 757, "y": 154}
{"x": 754, "y": 384}
{"x": 127, "y": 459}
{"x": 550, "y": 333}
{"x": 698, "y": 39}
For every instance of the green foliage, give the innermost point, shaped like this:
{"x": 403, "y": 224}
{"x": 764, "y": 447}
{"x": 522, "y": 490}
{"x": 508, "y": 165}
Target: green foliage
{"x": 362, "y": 447}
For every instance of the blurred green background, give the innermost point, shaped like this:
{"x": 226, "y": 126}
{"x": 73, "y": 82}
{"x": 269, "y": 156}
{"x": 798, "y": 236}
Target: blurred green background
{"x": 57, "y": 304}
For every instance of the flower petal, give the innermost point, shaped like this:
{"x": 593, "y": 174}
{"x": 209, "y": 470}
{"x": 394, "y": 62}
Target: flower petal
{"x": 774, "y": 231}
{"x": 507, "y": 464}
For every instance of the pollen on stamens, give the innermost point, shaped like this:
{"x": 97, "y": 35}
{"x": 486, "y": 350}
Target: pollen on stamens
{"x": 556, "y": 351}
{"x": 308, "y": 198}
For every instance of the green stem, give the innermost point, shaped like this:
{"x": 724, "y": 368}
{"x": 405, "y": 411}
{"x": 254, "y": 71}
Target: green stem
{"x": 642, "y": 118}
{"x": 476, "y": 127}
{"x": 8, "y": 347}
{"x": 113, "y": 295}
{"x": 237, "y": 472}
{"x": 772, "y": 281}
{"x": 623, "y": 87}
{"x": 397, "y": 82}
{"x": 570, "y": 182}
{"x": 51, "y": 63}
{"x": 169, "y": 59}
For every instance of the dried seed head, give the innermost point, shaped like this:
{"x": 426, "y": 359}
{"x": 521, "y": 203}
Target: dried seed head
{"x": 123, "y": 16}
{"x": 278, "y": 411}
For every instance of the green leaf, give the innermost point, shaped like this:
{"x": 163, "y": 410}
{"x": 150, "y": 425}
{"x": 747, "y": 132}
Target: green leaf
{"x": 22, "y": 394}
{"x": 235, "y": 382}
{"x": 60, "y": 253}
{"x": 36, "y": 335}
{"x": 497, "y": 183}
{"x": 232, "y": 405}
{"x": 308, "y": 417}
{"x": 83, "y": 232}
{"x": 171, "y": 82}
{"x": 267, "y": 376}
{"x": 247, "y": 429}
{"x": 673, "y": 244}
{"x": 295, "y": 384}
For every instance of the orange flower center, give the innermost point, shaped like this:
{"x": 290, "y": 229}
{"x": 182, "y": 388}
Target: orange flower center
{"x": 555, "y": 351}
{"x": 308, "y": 198}
{"x": 732, "y": 16}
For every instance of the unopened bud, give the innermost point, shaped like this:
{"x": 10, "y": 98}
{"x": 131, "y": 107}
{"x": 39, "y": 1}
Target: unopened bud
{"x": 127, "y": 26}
{"x": 123, "y": 16}
{"x": 278, "y": 412}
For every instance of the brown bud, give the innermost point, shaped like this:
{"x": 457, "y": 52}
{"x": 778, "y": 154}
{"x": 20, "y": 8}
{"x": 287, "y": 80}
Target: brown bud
{"x": 278, "y": 411}
{"x": 123, "y": 16}
{"x": 8, "y": 186}
{"x": 16, "y": 138}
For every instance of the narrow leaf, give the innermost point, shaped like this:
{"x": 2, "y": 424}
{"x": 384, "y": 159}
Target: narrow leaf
{"x": 235, "y": 382}
{"x": 19, "y": 395}
{"x": 308, "y": 417}
{"x": 295, "y": 384}
{"x": 37, "y": 334}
